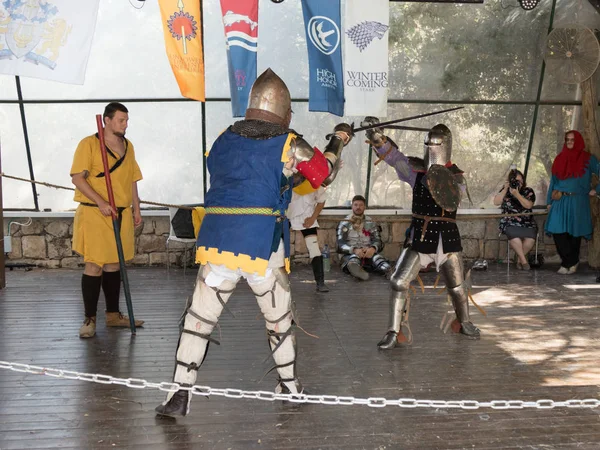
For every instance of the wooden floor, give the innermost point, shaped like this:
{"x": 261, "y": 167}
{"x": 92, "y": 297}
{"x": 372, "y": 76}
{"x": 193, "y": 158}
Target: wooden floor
{"x": 539, "y": 341}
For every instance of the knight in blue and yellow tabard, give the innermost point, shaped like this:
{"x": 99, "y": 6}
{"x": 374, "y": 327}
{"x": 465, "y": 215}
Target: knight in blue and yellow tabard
{"x": 245, "y": 234}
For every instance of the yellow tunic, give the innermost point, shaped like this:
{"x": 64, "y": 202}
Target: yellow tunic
{"x": 93, "y": 235}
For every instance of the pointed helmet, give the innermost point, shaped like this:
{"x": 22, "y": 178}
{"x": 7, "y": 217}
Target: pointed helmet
{"x": 270, "y": 100}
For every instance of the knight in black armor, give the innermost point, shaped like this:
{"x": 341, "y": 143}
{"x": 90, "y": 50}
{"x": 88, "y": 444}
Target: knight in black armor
{"x": 434, "y": 236}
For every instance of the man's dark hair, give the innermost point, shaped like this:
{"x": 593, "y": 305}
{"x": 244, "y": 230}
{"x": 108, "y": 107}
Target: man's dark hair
{"x": 112, "y": 108}
{"x": 359, "y": 197}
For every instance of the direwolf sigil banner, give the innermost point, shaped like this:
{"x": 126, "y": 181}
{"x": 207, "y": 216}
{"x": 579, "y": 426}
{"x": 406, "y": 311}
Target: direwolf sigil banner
{"x": 366, "y": 57}
{"x": 322, "y": 22}
{"x": 240, "y": 19}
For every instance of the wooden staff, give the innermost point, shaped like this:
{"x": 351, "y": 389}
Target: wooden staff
{"x": 116, "y": 224}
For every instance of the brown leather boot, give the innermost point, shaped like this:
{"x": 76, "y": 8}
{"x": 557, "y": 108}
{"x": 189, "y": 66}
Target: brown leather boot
{"x": 88, "y": 329}
{"x": 116, "y": 319}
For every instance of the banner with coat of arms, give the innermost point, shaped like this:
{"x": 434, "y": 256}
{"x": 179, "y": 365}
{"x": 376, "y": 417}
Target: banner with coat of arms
{"x": 182, "y": 29}
{"x": 240, "y": 19}
{"x": 366, "y": 38}
{"x": 48, "y": 39}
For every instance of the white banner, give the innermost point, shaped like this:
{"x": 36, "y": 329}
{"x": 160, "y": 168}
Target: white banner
{"x": 366, "y": 57}
{"x": 48, "y": 39}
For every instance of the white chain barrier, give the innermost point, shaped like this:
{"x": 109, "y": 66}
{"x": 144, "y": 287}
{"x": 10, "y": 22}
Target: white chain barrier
{"x": 373, "y": 402}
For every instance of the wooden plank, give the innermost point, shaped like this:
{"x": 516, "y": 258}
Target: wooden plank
{"x": 540, "y": 340}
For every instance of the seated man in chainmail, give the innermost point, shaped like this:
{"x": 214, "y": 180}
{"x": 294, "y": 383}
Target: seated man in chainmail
{"x": 359, "y": 243}
{"x": 434, "y": 237}
{"x": 245, "y": 234}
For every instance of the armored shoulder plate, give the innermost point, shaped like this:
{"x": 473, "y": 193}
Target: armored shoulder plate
{"x": 417, "y": 164}
{"x": 302, "y": 150}
{"x": 344, "y": 226}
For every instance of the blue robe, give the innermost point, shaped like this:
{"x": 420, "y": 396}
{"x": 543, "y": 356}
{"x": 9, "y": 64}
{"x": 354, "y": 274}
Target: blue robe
{"x": 572, "y": 214}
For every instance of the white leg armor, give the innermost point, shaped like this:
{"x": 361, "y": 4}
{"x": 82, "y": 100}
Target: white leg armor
{"x": 214, "y": 286}
{"x": 407, "y": 269}
{"x": 275, "y": 301}
{"x": 199, "y": 319}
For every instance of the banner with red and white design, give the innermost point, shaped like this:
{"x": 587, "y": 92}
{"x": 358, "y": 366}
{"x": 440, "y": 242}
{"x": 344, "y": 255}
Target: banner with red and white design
{"x": 240, "y": 19}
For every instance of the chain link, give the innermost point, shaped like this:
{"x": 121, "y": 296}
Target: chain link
{"x": 373, "y": 402}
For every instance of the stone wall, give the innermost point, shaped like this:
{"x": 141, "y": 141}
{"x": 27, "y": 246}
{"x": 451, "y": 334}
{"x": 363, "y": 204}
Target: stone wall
{"x": 480, "y": 238}
{"x": 47, "y": 241}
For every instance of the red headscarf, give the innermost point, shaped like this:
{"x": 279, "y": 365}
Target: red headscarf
{"x": 571, "y": 163}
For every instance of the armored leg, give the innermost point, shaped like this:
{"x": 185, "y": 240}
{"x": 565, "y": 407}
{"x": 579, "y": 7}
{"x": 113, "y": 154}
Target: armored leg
{"x": 275, "y": 301}
{"x": 407, "y": 269}
{"x": 352, "y": 265}
{"x": 454, "y": 275}
{"x": 199, "y": 318}
{"x": 380, "y": 264}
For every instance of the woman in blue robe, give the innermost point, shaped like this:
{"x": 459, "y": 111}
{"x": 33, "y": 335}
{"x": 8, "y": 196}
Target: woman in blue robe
{"x": 569, "y": 215}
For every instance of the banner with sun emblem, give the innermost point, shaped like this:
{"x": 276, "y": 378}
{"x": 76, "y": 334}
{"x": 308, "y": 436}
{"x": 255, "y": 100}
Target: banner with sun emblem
{"x": 183, "y": 41}
{"x": 366, "y": 57}
{"x": 48, "y": 39}
{"x": 322, "y": 22}
{"x": 240, "y": 19}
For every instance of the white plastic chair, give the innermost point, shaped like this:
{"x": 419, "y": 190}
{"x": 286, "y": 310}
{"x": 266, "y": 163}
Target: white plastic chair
{"x": 172, "y": 237}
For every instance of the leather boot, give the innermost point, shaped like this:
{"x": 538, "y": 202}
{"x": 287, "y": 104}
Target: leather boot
{"x": 116, "y": 319}
{"x": 88, "y": 329}
{"x": 178, "y": 405}
{"x": 319, "y": 272}
{"x": 357, "y": 271}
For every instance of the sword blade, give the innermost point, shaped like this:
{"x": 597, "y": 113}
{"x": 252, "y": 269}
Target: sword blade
{"x": 402, "y": 127}
{"x": 404, "y": 119}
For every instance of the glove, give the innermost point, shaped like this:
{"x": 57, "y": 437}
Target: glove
{"x": 343, "y": 131}
{"x": 369, "y": 120}
{"x": 375, "y": 136}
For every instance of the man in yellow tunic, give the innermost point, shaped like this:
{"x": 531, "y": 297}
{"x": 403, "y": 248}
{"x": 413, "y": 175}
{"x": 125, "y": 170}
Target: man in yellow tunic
{"x": 93, "y": 234}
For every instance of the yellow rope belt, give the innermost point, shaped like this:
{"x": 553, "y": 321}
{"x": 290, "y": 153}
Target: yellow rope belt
{"x": 242, "y": 211}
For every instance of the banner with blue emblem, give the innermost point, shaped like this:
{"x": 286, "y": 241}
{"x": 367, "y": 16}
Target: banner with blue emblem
{"x": 240, "y": 19}
{"x": 322, "y": 22}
